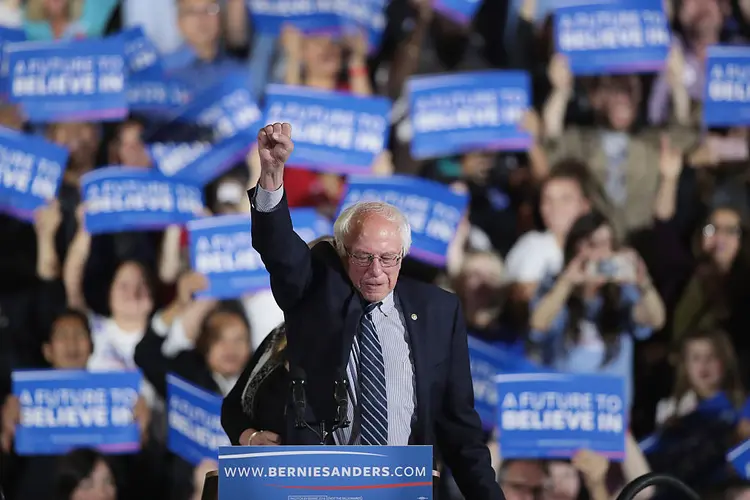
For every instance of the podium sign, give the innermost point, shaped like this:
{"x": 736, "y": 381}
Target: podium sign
{"x": 325, "y": 472}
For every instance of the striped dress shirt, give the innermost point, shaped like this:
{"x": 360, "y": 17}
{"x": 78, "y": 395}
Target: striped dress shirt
{"x": 399, "y": 377}
{"x": 399, "y": 364}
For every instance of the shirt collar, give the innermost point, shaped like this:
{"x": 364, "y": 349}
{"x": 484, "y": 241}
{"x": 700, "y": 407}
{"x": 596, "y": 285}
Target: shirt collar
{"x": 388, "y": 304}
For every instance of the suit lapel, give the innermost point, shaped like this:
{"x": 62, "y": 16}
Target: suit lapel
{"x": 419, "y": 343}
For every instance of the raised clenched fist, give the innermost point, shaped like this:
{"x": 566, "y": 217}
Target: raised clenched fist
{"x": 274, "y": 146}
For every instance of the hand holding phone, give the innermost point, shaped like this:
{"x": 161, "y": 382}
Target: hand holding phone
{"x": 618, "y": 268}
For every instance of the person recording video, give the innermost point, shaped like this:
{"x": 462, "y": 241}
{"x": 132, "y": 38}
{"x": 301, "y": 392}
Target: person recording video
{"x": 585, "y": 319}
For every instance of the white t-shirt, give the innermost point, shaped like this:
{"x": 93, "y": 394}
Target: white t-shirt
{"x": 534, "y": 256}
{"x": 114, "y": 350}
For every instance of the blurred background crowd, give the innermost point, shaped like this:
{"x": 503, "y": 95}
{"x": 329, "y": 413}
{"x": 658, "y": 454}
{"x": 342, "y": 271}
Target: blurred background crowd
{"x": 619, "y": 165}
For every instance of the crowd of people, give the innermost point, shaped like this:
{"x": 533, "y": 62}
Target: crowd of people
{"x": 620, "y": 169}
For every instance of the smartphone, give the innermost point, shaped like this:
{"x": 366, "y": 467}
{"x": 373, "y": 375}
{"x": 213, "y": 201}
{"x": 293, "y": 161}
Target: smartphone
{"x": 617, "y": 268}
{"x": 728, "y": 148}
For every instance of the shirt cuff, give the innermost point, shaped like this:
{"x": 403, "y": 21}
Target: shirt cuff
{"x": 176, "y": 341}
{"x": 266, "y": 201}
{"x": 158, "y": 325}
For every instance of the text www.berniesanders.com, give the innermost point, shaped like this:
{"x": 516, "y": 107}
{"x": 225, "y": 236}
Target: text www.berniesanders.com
{"x": 287, "y": 471}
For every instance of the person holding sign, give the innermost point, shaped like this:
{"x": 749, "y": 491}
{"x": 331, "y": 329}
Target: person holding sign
{"x": 344, "y": 299}
{"x": 68, "y": 347}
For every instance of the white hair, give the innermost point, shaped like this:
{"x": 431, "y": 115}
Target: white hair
{"x": 354, "y": 214}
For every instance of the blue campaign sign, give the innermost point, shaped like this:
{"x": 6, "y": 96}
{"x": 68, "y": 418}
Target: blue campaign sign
{"x": 229, "y": 112}
{"x": 310, "y": 225}
{"x": 171, "y": 157}
{"x": 66, "y": 409}
{"x": 221, "y": 249}
{"x": 80, "y": 80}
{"x": 553, "y": 415}
{"x": 433, "y": 210}
{"x": 366, "y": 16}
{"x": 332, "y": 131}
{"x": 325, "y": 472}
{"x": 128, "y": 198}
{"x": 739, "y": 457}
{"x": 486, "y": 362}
{"x": 194, "y": 417}
{"x": 452, "y": 114}
{"x": 311, "y": 16}
{"x": 31, "y": 170}
{"x": 7, "y": 36}
{"x": 460, "y": 11}
{"x": 162, "y": 95}
{"x": 141, "y": 54}
{"x": 726, "y": 98}
{"x": 613, "y": 37}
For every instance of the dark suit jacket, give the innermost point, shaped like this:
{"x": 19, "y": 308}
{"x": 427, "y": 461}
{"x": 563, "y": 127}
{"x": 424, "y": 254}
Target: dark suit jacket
{"x": 322, "y": 311}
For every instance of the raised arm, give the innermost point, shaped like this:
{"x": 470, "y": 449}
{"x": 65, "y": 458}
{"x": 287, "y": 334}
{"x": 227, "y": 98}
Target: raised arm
{"x": 75, "y": 264}
{"x": 285, "y": 255}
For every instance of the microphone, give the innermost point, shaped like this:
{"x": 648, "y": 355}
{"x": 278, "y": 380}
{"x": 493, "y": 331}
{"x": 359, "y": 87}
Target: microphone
{"x": 299, "y": 398}
{"x": 656, "y": 479}
{"x": 341, "y": 395}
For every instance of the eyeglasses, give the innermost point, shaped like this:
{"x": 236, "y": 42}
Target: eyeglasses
{"x": 209, "y": 10}
{"x": 712, "y": 229}
{"x": 366, "y": 259}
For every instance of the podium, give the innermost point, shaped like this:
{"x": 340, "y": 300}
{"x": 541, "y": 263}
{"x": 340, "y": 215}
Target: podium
{"x": 322, "y": 472}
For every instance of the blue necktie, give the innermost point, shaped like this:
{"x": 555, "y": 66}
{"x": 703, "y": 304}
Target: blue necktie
{"x": 373, "y": 401}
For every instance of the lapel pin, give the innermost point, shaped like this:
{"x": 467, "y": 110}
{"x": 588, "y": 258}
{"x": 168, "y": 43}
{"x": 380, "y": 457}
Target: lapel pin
{"x": 414, "y": 316}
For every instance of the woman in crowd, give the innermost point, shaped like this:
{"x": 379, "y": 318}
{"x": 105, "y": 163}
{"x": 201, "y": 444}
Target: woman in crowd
{"x": 702, "y": 255}
{"x": 84, "y": 475}
{"x": 586, "y": 319}
{"x": 701, "y": 420}
{"x": 218, "y": 354}
{"x": 212, "y": 360}
{"x": 253, "y": 413}
{"x": 130, "y": 306}
{"x": 717, "y": 291}
{"x": 707, "y": 377}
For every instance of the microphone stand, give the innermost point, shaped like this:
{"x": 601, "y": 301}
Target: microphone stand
{"x": 656, "y": 479}
{"x": 299, "y": 399}
{"x": 341, "y": 395}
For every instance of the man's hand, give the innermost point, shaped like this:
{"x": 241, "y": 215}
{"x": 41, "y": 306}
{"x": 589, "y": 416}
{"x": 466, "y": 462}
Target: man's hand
{"x": 274, "y": 148}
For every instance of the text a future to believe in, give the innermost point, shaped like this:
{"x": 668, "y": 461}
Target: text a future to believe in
{"x": 74, "y": 408}
{"x": 538, "y": 411}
